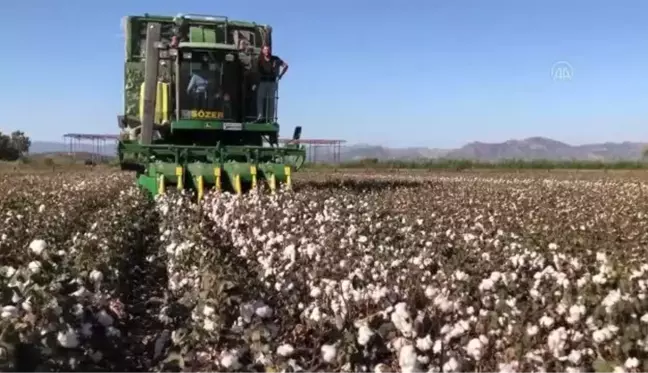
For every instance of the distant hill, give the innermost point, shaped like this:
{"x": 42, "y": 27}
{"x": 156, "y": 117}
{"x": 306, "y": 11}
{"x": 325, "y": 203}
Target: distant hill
{"x": 544, "y": 148}
{"x": 528, "y": 149}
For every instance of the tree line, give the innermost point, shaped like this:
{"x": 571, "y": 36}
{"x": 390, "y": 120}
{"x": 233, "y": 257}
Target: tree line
{"x": 14, "y": 146}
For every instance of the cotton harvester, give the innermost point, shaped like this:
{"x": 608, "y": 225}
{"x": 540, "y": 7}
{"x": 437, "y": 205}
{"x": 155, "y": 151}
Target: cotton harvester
{"x": 178, "y": 137}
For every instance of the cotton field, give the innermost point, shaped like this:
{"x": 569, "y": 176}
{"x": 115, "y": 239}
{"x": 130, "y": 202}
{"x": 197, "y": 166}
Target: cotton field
{"x": 354, "y": 273}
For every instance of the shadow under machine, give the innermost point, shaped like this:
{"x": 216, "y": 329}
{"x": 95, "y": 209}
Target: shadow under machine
{"x": 190, "y": 117}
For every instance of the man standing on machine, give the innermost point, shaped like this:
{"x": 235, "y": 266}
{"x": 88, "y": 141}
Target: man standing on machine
{"x": 198, "y": 87}
{"x": 271, "y": 69}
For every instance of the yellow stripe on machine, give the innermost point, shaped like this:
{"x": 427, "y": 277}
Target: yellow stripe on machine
{"x": 288, "y": 180}
{"x": 179, "y": 172}
{"x": 200, "y": 187}
{"x": 237, "y": 184}
{"x": 273, "y": 183}
{"x": 253, "y": 172}
{"x": 217, "y": 174}
{"x": 161, "y": 102}
{"x": 161, "y": 184}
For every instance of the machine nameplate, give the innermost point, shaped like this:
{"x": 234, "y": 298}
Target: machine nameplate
{"x": 229, "y": 126}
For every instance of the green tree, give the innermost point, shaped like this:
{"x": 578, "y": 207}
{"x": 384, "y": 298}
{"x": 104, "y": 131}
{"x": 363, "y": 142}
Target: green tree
{"x": 13, "y": 146}
{"x": 20, "y": 142}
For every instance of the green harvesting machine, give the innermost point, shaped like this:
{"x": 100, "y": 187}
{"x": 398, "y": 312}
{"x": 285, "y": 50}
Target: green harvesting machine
{"x": 174, "y": 136}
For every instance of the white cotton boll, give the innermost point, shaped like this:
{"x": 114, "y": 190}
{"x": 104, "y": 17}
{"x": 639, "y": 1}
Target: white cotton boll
{"x": 230, "y": 361}
{"x": 27, "y": 305}
{"x": 315, "y": 292}
{"x": 209, "y": 325}
{"x": 475, "y": 349}
{"x": 407, "y": 359}
{"x": 575, "y": 313}
{"x": 508, "y": 367}
{"x": 68, "y": 338}
{"x": 81, "y": 293}
{"x": 573, "y": 370}
{"x": 37, "y": 246}
{"x": 290, "y": 253}
{"x": 35, "y": 267}
{"x": 618, "y": 369}
{"x": 9, "y": 312}
{"x": 599, "y": 336}
{"x": 452, "y": 365}
{"x": 285, "y": 350}
{"x": 364, "y": 335}
{"x": 96, "y": 276}
{"x": 611, "y": 299}
{"x": 438, "y": 346}
{"x": 486, "y": 285}
{"x": 532, "y": 330}
{"x": 546, "y": 321}
{"x": 631, "y": 363}
{"x": 599, "y": 278}
{"x": 575, "y": 357}
{"x": 644, "y": 318}
{"x": 329, "y": 352}
{"x": 556, "y": 341}
{"x": 8, "y": 271}
{"x": 398, "y": 343}
{"x": 424, "y": 344}
{"x": 264, "y": 311}
{"x": 460, "y": 275}
{"x": 208, "y": 310}
{"x": 381, "y": 368}
{"x": 430, "y": 292}
{"x": 400, "y": 318}
{"x": 315, "y": 315}
{"x": 104, "y": 318}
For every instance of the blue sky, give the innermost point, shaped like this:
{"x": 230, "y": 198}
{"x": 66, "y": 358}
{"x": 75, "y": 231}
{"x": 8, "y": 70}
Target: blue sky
{"x": 435, "y": 73}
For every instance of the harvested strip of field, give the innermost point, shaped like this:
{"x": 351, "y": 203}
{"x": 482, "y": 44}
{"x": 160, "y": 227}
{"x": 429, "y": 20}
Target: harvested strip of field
{"x": 349, "y": 273}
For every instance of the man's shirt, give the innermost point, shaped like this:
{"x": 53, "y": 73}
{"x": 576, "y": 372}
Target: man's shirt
{"x": 268, "y": 69}
{"x": 197, "y": 84}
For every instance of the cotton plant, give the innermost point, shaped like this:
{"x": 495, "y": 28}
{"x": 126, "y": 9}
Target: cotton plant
{"x": 370, "y": 272}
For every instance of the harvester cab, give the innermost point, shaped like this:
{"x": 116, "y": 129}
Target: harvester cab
{"x": 190, "y": 116}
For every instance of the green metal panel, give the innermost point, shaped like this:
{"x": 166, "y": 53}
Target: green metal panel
{"x": 199, "y": 34}
{"x": 149, "y": 183}
{"x": 186, "y": 154}
{"x": 207, "y": 124}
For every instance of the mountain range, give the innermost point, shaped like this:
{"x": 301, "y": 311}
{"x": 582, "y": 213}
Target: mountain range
{"x": 527, "y": 149}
